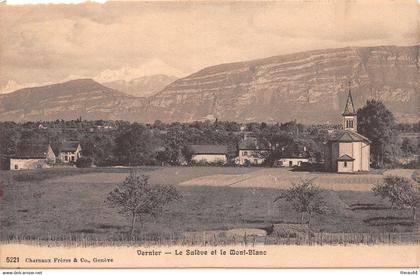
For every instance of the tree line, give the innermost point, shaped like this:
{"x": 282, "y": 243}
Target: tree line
{"x": 109, "y": 143}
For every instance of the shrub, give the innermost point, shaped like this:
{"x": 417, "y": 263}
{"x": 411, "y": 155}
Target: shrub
{"x": 84, "y": 162}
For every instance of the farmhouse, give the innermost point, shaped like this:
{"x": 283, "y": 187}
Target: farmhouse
{"x": 293, "y": 158}
{"x": 209, "y": 153}
{"x": 346, "y": 150}
{"x": 252, "y": 152}
{"x": 33, "y": 156}
{"x": 69, "y": 151}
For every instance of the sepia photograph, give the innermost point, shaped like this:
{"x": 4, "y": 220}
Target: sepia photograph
{"x": 257, "y": 134}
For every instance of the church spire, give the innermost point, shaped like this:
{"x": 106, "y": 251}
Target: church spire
{"x": 349, "y": 114}
{"x": 349, "y": 108}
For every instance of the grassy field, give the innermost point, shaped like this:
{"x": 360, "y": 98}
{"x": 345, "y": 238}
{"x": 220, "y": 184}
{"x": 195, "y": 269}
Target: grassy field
{"x": 44, "y": 204}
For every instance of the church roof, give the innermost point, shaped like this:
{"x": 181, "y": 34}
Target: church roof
{"x": 347, "y": 136}
{"x": 345, "y": 157}
{"x": 349, "y": 108}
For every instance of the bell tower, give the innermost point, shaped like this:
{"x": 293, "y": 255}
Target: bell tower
{"x": 349, "y": 115}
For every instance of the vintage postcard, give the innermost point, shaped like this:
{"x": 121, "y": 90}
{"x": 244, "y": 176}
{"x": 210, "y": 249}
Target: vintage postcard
{"x": 262, "y": 134}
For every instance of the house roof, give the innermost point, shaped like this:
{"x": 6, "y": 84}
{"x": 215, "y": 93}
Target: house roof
{"x": 347, "y": 136}
{"x": 69, "y": 146}
{"x": 345, "y": 157}
{"x": 349, "y": 108}
{"x": 252, "y": 143}
{"x": 295, "y": 154}
{"x": 32, "y": 151}
{"x": 209, "y": 149}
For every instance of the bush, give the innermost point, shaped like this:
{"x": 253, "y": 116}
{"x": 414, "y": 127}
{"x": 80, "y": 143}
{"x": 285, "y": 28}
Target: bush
{"x": 414, "y": 164}
{"x": 206, "y": 163}
{"x": 84, "y": 162}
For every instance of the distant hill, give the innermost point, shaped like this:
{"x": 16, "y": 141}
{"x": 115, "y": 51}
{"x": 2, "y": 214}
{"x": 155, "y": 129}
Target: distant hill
{"x": 143, "y": 86}
{"x": 68, "y": 100}
{"x": 308, "y": 86}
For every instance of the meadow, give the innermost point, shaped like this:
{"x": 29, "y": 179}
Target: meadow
{"x": 217, "y": 201}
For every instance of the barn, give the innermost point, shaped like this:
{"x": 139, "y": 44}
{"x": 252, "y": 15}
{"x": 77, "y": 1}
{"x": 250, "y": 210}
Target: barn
{"x": 33, "y": 156}
{"x": 209, "y": 153}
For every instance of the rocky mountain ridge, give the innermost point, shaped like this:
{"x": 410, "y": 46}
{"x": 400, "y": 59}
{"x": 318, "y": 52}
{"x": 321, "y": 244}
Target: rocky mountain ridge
{"x": 310, "y": 87}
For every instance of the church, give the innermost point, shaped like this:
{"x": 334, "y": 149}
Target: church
{"x": 346, "y": 150}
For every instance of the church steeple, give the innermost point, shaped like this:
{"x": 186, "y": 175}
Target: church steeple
{"x": 349, "y": 109}
{"x": 349, "y": 114}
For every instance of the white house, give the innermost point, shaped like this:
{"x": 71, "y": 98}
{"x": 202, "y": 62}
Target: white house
{"x": 69, "y": 151}
{"x": 209, "y": 153}
{"x": 252, "y": 152}
{"x": 292, "y": 160}
{"x": 33, "y": 156}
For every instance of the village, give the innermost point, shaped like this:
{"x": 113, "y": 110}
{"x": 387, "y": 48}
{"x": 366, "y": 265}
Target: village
{"x": 209, "y": 134}
{"x": 224, "y": 181}
{"x": 344, "y": 150}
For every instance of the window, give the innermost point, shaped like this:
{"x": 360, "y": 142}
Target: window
{"x": 299, "y": 163}
{"x": 349, "y": 123}
{"x": 345, "y": 164}
{"x": 66, "y": 158}
{"x": 16, "y": 167}
{"x": 72, "y": 158}
{"x": 290, "y": 163}
{"x": 245, "y": 153}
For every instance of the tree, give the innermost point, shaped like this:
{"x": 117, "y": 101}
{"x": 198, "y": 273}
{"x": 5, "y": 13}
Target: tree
{"x": 136, "y": 146}
{"x": 305, "y": 198}
{"x": 410, "y": 198}
{"x": 84, "y": 162}
{"x": 376, "y": 122}
{"x": 8, "y": 140}
{"x": 400, "y": 192}
{"x": 137, "y": 198}
{"x": 187, "y": 152}
{"x": 173, "y": 141}
{"x": 416, "y": 176}
{"x": 389, "y": 189}
{"x": 408, "y": 146}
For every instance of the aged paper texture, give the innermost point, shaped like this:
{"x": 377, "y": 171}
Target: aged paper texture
{"x": 243, "y": 134}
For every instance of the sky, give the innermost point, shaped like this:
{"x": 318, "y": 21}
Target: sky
{"x": 41, "y": 44}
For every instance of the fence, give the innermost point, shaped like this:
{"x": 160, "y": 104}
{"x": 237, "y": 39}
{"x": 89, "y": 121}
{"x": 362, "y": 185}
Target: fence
{"x": 374, "y": 238}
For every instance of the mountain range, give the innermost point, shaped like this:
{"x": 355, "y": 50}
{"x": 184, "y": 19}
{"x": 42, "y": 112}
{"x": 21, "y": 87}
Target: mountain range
{"x": 142, "y": 86}
{"x": 310, "y": 87}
